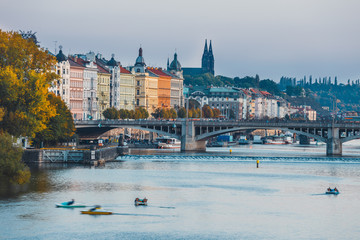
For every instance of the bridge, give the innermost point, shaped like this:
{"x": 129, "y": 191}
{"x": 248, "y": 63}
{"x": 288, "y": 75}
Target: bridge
{"x": 193, "y": 134}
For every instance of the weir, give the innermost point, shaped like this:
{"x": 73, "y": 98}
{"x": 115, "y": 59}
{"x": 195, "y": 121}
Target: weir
{"x": 83, "y": 156}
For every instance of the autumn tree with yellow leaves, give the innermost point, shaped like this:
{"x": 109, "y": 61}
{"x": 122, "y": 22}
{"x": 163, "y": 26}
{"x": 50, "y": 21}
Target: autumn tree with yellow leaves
{"x": 25, "y": 109}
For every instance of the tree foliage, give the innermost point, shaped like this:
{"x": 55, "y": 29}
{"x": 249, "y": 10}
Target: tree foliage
{"x": 11, "y": 167}
{"x": 165, "y": 113}
{"x": 111, "y": 113}
{"x": 25, "y": 75}
{"x": 60, "y": 127}
{"x": 181, "y": 113}
{"x": 270, "y": 86}
{"x": 207, "y": 111}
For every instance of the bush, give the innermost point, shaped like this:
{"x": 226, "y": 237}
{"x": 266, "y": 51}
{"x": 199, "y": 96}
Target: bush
{"x": 11, "y": 167}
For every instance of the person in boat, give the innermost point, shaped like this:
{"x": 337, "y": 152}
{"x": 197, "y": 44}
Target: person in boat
{"x": 70, "y": 202}
{"x": 329, "y": 189}
{"x": 94, "y": 208}
{"x": 336, "y": 190}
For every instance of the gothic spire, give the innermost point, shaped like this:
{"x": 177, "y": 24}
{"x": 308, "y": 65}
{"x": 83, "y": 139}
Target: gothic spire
{"x": 206, "y": 47}
{"x": 210, "y": 48}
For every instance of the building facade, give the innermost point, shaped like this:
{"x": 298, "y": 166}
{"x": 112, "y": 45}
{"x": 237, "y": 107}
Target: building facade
{"x": 103, "y": 90}
{"x": 146, "y": 85}
{"x": 164, "y": 87}
{"x": 76, "y": 89}
{"x": 177, "y": 83}
{"x": 127, "y": 89}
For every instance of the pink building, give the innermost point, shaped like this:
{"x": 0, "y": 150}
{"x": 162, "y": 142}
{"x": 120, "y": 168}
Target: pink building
{"x": 76, "y": 89}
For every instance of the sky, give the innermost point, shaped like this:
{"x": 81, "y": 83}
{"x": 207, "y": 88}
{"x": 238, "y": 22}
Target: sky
{"x": 272, "y": 38}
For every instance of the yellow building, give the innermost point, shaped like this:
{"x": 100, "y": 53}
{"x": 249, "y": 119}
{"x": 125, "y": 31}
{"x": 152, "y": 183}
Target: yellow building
{"x": 103, "y": 89}
{"x": 146, "y": 91}
{"x": 146, "y": 86}
{"x": 127, "y": 89}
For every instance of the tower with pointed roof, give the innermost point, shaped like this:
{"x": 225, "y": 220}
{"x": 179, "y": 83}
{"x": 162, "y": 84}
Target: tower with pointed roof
{"x": 211, "y": 60}
{"x": 175, "y": 67}
{"x": 207, "y": 61}
{"x": 61, "y": 87}
{"x": 140, "y": 65}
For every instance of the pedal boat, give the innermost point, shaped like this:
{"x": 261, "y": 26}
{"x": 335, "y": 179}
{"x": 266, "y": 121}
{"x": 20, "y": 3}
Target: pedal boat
{"x": 97, "y": 211}
{"x": 139, "y": 202}
{"x": 332, "y": 191}
{"x": 66, "y": 205}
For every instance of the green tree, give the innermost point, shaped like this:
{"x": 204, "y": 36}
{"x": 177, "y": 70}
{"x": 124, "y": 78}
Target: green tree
{"x": 181, "y": 112}
{"x": 270, "y": 86}
{"x": 157, "y": 113}
{"x": 173, "y": 113}
{"x": 11, "y": 167}
{"x": 111, "y": 113}
{"x": 60, "y": 128}
{"x": 232, "y": 114}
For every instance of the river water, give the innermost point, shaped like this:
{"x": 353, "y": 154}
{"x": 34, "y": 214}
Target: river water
{"x": 212, "y": 195}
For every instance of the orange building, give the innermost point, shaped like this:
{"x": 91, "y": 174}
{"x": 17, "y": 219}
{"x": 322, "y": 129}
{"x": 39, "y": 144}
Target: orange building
{"x": 164, "y": 87}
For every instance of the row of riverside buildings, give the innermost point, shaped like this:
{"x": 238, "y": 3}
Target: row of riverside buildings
{"x": 245, "y": 104}
{"x": 89, "y": 84}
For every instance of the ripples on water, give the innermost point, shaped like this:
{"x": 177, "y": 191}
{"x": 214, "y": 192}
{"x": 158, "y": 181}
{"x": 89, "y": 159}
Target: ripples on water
{"x": 211, "y": 195}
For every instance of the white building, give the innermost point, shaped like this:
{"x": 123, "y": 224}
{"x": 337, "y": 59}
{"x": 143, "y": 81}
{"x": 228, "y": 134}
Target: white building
{"x": 61, "y": 87}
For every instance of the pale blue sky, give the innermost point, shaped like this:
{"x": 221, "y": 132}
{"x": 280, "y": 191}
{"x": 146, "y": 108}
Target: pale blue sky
{"x": 271, "y": 38}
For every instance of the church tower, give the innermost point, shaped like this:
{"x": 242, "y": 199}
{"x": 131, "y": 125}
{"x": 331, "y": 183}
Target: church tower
{"x": 211, "y": 60}
{"x": 205, "y": 64}
{"x": 207, "y": 61}
{"x": 140, "y": 65}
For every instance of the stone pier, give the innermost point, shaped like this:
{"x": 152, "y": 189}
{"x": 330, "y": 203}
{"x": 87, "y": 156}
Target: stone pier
{"x": 188, "y": 142}
{"x": 333, "y": 143}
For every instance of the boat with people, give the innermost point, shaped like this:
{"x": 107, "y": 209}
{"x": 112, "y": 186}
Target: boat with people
{"x": 97, "y": 210}
{"x": 139, "y": 201}
{"x": 70, "y": 204}
{"x": 334, "y": 191}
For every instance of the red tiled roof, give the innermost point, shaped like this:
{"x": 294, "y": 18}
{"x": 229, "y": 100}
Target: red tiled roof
{"x": 123, "y": 70}
{"x": 158, "y": 72}
{"x": 74, "y": 64}
{"x": 265, "y": 93}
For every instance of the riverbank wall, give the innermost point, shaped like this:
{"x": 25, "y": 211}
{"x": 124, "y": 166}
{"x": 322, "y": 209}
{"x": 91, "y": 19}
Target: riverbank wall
{"x": 63, "y": 155}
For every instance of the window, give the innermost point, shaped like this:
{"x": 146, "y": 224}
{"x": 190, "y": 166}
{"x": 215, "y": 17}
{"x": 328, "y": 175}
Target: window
{"x": 138, "y": 83}
{"x": 137, "y": 102}
{"x": 137, "y": 91}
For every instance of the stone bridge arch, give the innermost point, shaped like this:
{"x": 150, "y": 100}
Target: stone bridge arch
{"x": 208, "y": 135}
{"x": 96, "y": 132}
{"x": 349, "y": 138}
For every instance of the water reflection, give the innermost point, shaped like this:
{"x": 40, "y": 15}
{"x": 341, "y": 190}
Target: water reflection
{"x": 197, "y": 196}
